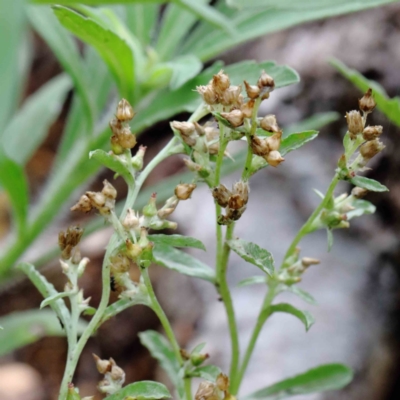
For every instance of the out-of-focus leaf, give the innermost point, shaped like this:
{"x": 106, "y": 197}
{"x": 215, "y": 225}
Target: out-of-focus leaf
{"x": 12, "y": 28}
{"x": 304, "y": 316}
{"x": 25, "y": 327}
{"x": 184, "y": 68}
{"x": 115, "y": 52}
{"x": 302, "y": 294}
{"x": 253, "y": 254}
{"x": 369, "y": 184}
{"x": 141, "y": 20}
{"x": 30, "y": 125}
{"x": 13, "y": 180}
{"x": 161, "y": 350}
{"x": 252, "y": 280}
{"x": 177, "y": 241}
{"x": 315, "y": 122}
{"x": 181, "y": 262}
{"x": 52, "y": 299}
{"x": 207, "y": 372}
{"x": 143, "y": 390}
{"x": 361, "y": 207}
{"x": 66, "y": 51}
{"x": 96, "y": 2}
{"x": 390, "y": 107}
{"x": 319, "y": 379}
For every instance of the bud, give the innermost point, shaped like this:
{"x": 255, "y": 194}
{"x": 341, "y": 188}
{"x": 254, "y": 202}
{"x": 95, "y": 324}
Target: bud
{"x": 222, "y": 382}
{"x": 184, "y": 128}
{"x": 371, "y": 149}
{"x": 232, "y": 96}
{"x": 133, "y": 250}
{"x": 131, "y": 221}
{"x": 221, "y": 194}
{"x": 259, "y": 146}
{"x": 71, "y": 237}
{"x": 64, "y": 267}
{"x": 183, "y": 191}
{"x": 117, "y": 374}
{"x": 115, "y": 126}
{"x": 109, "y": 190}
{"x": 126, "y": 139}
{"x": 234, "y": 214}
{"x": 274, "y": 141}
{"x": 220, "y": 82}
{"x": 150, "y": 210}
{"x": 266, "y": 83}
{"x": 372, "y": 132}
{"x": 137, "y": 160}
{"x": 124, "y": 111}
{"x": 200, "y": 130}
{"x": 97, "y": 199}
{"x": 235, "y": 117}
{"x": 307, "y": 261}
{"x": 252, "y": 91}
{"x": 103, "y": 366}
{"x": 358, "y": 192}
{"x": 274, "y": 158}
{"x": 192, "y": 165}
{"x": 354, "y": 123}
{"x": 269, "y": 124}
{"x": 206, "y": 391}
{"x": 198, "y": 359}
{"x": 242, "y": 189}
{"x": 120, "y": 263}
{"x": 208, "y": 94}
{"x": 116, "y": 148}
{"x": 236, "y": 202}
{"x": 247, "y": 108}
{"x": 367, "y": 102}
{"x": 82, "y": 266}
{"x": 84, "y": 204}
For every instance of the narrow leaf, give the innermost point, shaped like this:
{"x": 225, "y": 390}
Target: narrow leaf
{"x": 181, "y": 262}
{"x": 184, "y": 68}
{"x": 177, "y": 241}
{"x": 320, "y": 379}
{"x": 369, "y": 184}
{"x": 302, "y": 294}
{"x": 252, "y": 280}
{"x": 207, "y": 372}
{"x": 253, "y": 254}
{"x": 143, "y": 390}
{"x": 53, "y": 298}
{"x": 304, "y": 316}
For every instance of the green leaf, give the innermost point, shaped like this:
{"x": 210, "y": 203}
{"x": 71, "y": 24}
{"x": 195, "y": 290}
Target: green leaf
{"x": 143, "y": 390}
{"x": 253, "y": 254}
{"x": 369, "y": 184}
{"x": 321, "y": 379}
{"x": 181, "y": 262}
{"x": 302, "y": 294}
{"x": 304, "y": 316}
{"x": 198, "y": 348}
{"x": 361, "y": 207}
{"x": 52, "y": 299}
{"x": 96, "y": 2}
{"x": 115, "y": 51}
{"x": 184, "y": 68}
{"x": 113, "y": 162}
{"x": 177, "y": 241}
{"x": 161, "y": 350}
{"x": 66, "y": 51}
{"x": 252, "y": 280}
{"x": 24, "y": 327}
{"x": 389, "y": 106}
{"x": 30, "y": 125}
{"x": 13, "y": 180}
{"x": 207, "y": 372}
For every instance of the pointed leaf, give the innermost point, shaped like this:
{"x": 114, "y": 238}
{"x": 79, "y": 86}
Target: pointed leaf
{"x": 207, "y": 372}
{"x": 184, "y": 68}
{"x": 53, "y": 298}
{"x": 253, "y": 254}
{"x": 177, "y": 241}
{"x": 252, "y": 280}
{"x": 319, "y": 379}
{"x": 143, "y": 390}
{"x": 304, "y": 316}
{"x": 361, "y": 207}
{"x": 369, "y": 184}
{"x": 181, "y": 262}
{"x": 302, "y": 294}
{"x": 198, "y": 348}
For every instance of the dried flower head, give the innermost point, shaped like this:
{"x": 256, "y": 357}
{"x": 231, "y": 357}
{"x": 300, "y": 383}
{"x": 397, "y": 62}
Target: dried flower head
{"x": 269, "y": 124}
{"x": 232, "y": 97}
{"x": 354, "y": 123}
{"x": 359, "y": 193}
{"x": 372, "y": 132}
{"x": 206, "y": 391}
{"x": 234, "y": 117}
{"x": 266, "y": 83}
{"x": 124, "y": 111}
{"x": 367, "y": 102}
{"x": 183, "y": 191}
{"x": 274, "y": 158}
{"x": 252, "y": 91}
{"x": 220, "y": 82}
{"x": 208, "y": 94}
{"x": 370, "y": 149}
{"x": 221, "y": 195}
{"x": 241, "y": 188}
{"x": 109, "y": 190}
{"x": 84, "y": 204}
{"x": 274, "y": 141}
{"x": 259, "y": 146}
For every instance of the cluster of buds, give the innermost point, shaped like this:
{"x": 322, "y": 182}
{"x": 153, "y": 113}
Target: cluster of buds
{"x": 267, "y": 147}
{"x": 68, "y": 242}
{"x": 214, "y": 391}
{"x": 122, "y": 138}
{"x": 196, "y": 357}
{"x": 233, "y": 201}
{"x": 114, "y": 376}
{"x": 103, "y": 201}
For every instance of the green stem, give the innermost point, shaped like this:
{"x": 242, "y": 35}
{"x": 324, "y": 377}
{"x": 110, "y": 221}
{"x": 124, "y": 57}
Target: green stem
{"x": 188, "y": 388}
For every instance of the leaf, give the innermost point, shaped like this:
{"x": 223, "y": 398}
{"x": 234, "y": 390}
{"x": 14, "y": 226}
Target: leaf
{"x": 184, "y": 68}
{"x": 198, "y": 348}
{"x": 302, "y": 294}
{"x": 181, "y": 262}
{"x": 369, "y": 184}
{"x": 177, "y": 241}
{"x": 30, "y": 125}
{"x": 115, "y": 51}
{"x": 329, "y": 238}
{"x": 24, "y": 327}
{"x": 53, "y": 298}
{"x": 361, "y": 207}
{"x": 13, "y": 180}
{"x": 143, "y": 390}
{"x": 113, "y": 162}
{"x": 252, "y": 280}
{"x": 207, "y": 372}
{"x": 319, "y": 379}
{"x": 304, "y": 316}
{"x": 161, "y": 350}
{"x": 253, "y": 254}
{"x": 96, "y": 2}
{"x": 66, "y": 51}
{"x": 12, "y": 28}
{"x": 389, "y": 106}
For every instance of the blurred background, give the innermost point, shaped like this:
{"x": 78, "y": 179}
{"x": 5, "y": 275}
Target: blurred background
{"x": 356, "y": 285}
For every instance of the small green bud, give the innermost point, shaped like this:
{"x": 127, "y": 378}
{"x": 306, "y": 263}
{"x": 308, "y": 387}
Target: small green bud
{"x": 150, "y": 210}
{"x": 137, "y": 160}
{"x": 198, "y": 359}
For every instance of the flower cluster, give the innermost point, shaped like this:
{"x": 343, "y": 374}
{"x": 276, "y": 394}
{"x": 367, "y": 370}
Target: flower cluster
{"x": 214, "y": 391}
{"x": 114, "y": 376}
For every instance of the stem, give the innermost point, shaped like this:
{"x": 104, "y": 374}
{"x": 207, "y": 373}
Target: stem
{"x": 188, "y": 388}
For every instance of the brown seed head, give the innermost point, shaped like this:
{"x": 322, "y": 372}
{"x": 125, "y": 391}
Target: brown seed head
{"x": 84, "y": 204}
{"x": 274, "y": 158}
{"x": 117, "y": 374}
{"x": 367, "y": 102}
{"x": 307, "y": 261}
{"x": 247, "y": 108}
{"x": 359, "y": 193}
{"x": 116, "y": 126}
{"x": 234, "y": 215}
{"x": 124, "y": 111}
{"x": 259, "y": 146}
{"x": 221, "y": 195}
{"x": 371, "y": 149}
{"x": 252, "y": 91}
{"x": 192, "y": 165}
{"x": 200, "y": 130}
{"x": 242, "y": 189}
{"x": 274, "y": 141}
{"x": 109, "y": 190}
{"x": 232, "y": 96}
{"x": 372, "y": 132}
{"x": 236, "y": 202}
{"x": 115, "y": 145}
{"x": 354, "y": 123}
{"x": 266, "y": 83}
{"x": 97, "y": 199}
{"x": 208, "y": 94}
{"x": 269, "y": 124}
{"x": 126, "y": 139}
{"x": 206, "y": 391}
{"x": 103, "y": 366}
{"x": 222, "y": 382}
{"x": 234, "y": 117}
{"x": 131, "y": 221}
{"x": 183, "y": 191}
{"x": 220, "y": 82}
